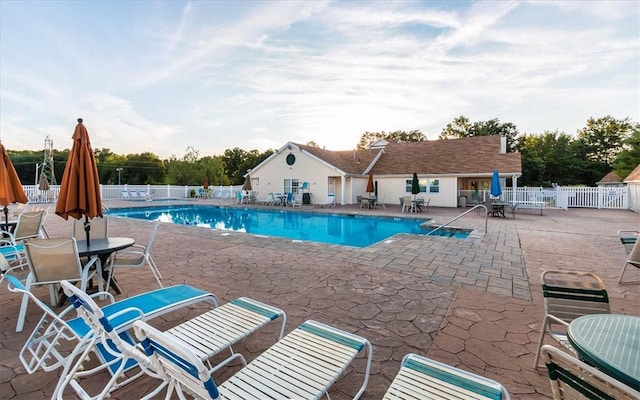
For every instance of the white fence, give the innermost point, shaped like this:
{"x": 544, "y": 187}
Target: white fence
{"x": 560, "y": 197}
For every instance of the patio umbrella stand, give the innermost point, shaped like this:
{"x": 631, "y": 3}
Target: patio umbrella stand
{"x": 80, "y": 187}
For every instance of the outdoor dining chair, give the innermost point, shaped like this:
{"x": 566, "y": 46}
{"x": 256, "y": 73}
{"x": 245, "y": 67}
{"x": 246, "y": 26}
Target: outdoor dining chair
{"x": 51, "y": 261}
{"x": 573, "y": 379}
{"x": 567, "y": 296}
{"x": 137, "y": 256}
{"x": 633, "y": 259}
{"x": 98, "y": 228}
{"x": 207, "y": 335}
{"x": 302, "y": 365}
{"x": 423, "y": 378}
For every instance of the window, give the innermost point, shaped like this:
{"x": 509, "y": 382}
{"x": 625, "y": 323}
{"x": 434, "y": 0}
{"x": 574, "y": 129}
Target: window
{"x": 422, "y": 182}
{"x": 291, "y": 185}
{"x": 432, "y": 187}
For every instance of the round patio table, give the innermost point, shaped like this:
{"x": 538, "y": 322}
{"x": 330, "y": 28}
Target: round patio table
{"x": 103, "y": 248}
{"x": 611, "y": 343}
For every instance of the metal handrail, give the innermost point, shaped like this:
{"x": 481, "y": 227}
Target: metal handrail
{"x": 486, "y": 216}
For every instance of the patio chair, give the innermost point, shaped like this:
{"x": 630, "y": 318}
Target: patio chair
{"x": 98, "y": 228}
{"x": 207, "y": 335}
{"x": 137, "y": 256}
{"x": 51, "y": 261}
{"x": 29, "y": 226}
{"x": 628, "y": 239}
{"x": 124, "y": 195}
{"x": 297, "y": 200}
{"x": 57, "y": 335}
{"x": 303, "y": 364}
{"x": 567, "y": 296}
{"x": 423, "y": 378}
{"x": 408, "y": 204}
{"x": 380, "y": 203}
{"x": 573, "y": 379}
{"x": 633, "y": 259}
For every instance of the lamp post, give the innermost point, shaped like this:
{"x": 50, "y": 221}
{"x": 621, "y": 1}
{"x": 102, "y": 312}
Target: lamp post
{"x": 119, "y": 171}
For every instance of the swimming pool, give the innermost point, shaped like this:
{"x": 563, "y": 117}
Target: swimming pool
{"x": 342, "y": 229}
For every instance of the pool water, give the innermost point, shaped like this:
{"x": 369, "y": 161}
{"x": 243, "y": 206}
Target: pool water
{"x": 342, "y": 229}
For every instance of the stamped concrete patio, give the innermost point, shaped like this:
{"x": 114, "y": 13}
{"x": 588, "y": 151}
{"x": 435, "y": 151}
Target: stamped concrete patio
{"x": 472, "y": 303}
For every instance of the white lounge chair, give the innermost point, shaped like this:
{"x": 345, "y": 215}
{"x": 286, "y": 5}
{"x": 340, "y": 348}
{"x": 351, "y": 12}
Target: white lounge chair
{"x": 423, "y": 378}
{"x": 124, "y": 195}
{"x": 302, "y": 365}
{"x": 207, "y": 335}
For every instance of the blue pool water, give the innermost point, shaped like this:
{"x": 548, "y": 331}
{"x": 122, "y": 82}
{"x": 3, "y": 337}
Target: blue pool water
{"x": 342, "y": 229}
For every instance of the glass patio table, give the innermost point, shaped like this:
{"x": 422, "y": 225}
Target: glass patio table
{"x": 611, "y": 343}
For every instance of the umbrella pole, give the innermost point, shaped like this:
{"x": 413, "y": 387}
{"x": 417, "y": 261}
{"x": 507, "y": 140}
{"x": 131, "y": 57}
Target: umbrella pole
{"x": 87, "y": 228}
{"x": 6, "y": 217}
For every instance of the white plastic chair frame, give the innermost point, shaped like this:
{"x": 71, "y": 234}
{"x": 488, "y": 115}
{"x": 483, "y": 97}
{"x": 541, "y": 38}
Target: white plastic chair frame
{"x": 423, "y": 378}
{"x": 53, "y": 260}
{"x": 304, "y": 364}
{"x": 207, "y": 335}
{"x": 137, "y": 256}
{"x": 567, "y": 296}
{"x": 56, "y": 339}
{"x": 572, "y": 379}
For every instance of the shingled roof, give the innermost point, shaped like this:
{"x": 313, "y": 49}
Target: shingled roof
{"x": 474, "y": 155}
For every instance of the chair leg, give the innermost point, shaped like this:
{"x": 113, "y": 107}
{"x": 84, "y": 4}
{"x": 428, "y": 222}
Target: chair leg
{"x": 620, "y": 282}
{"x": 154, "y": 270}
{"x": 543, "y": 329}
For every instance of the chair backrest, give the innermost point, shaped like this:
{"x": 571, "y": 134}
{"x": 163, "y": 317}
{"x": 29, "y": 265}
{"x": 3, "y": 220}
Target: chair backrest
{"x": 175, "y": 362}
{"x": 634, "y": 255}
{"x": 29, "y": 224}
{"x": 572, "y": 379}
{"x": 407, "y": 199}
{"x": 52, "y": 260}
{"x": 98, "y": 228}
{"x": 571, "y": 294}
{"x": 152, "y": 237}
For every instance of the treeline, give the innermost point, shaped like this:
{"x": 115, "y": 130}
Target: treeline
{"x": 605, "y": 144}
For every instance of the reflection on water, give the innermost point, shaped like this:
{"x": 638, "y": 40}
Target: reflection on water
{"x": 343, "y": 229}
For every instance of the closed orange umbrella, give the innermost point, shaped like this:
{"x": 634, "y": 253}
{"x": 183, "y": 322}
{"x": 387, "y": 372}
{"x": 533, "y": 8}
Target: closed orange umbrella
{"x": 10, "y": 187}
{"x": 80, "y": 187}
{"x": 370, "y": 187}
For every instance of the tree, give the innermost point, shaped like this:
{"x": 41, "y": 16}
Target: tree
{"x": 185, "y": 171}
{"x": 552, "y": 157}
{"x": 629, "y": 157}
{"x": 604, "y": 138}
{"x": 368, "y": 138}
{"x": 461, "y": 127}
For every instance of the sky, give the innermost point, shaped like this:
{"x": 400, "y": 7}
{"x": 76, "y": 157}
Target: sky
{"x": 162, "y": 76}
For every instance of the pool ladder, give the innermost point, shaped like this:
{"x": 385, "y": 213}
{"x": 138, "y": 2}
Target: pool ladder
{"x": 477, "y": 206}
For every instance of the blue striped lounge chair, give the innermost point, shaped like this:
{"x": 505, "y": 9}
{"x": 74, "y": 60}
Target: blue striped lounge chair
{"x": 423, "y": 378}
{"x": 207, "y": 335}
{"x": 302, "y": 365}
{"x": 55, "y": 336}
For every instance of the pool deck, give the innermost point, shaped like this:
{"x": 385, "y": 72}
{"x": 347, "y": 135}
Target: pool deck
{"x": 473, "y": 303}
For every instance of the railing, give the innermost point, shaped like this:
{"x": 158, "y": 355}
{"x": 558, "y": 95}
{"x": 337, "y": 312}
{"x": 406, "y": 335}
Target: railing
{"x": 559, "y": 197}
{"x": 477, "y": 206}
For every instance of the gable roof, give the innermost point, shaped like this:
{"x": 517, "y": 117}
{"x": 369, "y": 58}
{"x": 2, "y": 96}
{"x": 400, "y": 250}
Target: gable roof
{"x": 634, "y": 176}
{"x": 474, "y": 155}
{"x": 611, "y": 177}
